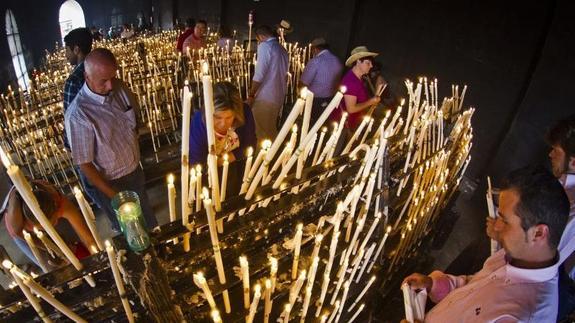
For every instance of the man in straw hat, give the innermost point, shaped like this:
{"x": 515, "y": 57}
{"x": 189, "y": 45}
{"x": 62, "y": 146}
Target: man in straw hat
{"x": 356, "y": 100}
{"x": 321, "y": 76}
{"x": 283, "y": 28}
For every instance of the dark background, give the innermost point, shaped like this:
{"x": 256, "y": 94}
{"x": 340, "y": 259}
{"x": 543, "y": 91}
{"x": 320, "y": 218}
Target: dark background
{"x": 515, "y": 56}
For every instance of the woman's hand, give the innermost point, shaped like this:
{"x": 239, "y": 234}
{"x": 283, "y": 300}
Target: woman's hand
{"x": 375, "y": 100}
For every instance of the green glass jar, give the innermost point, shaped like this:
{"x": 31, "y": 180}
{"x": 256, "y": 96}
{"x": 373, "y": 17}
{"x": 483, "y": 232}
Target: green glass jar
{"x": 126, "y": 204}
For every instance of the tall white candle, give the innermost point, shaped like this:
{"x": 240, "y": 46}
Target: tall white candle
{"x": 42, "y": 292}
{"x": 225, "y": 177}
{"x": 201, "y": 282}
{"x": 296, "y": 249}
{"x": 244, "y": 266}
{"x": 172, "y": 201}
{"x": 88, "y": 216}
{"x": 32, "y": 299}
{"x": 322, "y": 118}
{"x": 254, "y": 305}
{"x": 34, "y": 249}
{"x": 268, "y": 301}
{"x": 118, "y": 279}
{"x": 185, "y": 167}
{"x": 273, "y": 271}
{"x": 23, "y": 187}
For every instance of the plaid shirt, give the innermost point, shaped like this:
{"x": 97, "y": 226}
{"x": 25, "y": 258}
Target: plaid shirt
{"x": 322, "y": 74}
{"x": 72, "y": 86}
{"x": 103, "y": 130}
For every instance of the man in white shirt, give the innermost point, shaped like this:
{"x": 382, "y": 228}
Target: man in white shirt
{"x": 519, "y": 282}
{"x": 561, "y": 137}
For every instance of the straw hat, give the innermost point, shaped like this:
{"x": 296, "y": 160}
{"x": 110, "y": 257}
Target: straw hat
{"x": 357, "y": 53}
{"x": 285, "y": 25}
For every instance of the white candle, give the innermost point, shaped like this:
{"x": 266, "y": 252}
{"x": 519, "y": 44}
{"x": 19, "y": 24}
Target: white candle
{"x": 356, "y": 313}
{"x": 307, "y": 111}
{"x": 334, "y": 312}
{"x": 379, "y": 248}
{"x": 364, "y": 122}
{"x": 322, "y": 118}
{"x": 185, "y": 167}
{"x": 273, "y": 272}
{"x": 172, "y": 201}
{"x": 32, "y": 299}
{"x": 118, "y": 279}
{"x": 216, "y": 246}
{"x": 225, "y": 177}
{"x": 363, "y": 291}
{"x": 23, "y": 187}
{"x": 295, "y": 112}
{"x": 209, "y": 115}
{"x": 201, "y": 282}
{"x": 296, "y": 249}
{"x": 248, "y": 166}
{"x": 296, "y": 287}
{"x": 365, "y": 261}
{"x": 268, "y": 302}
{"x": 245, "y": 280}
{"x": 286, "y": 313}
{"x": 256, "y": 165}
{"x": 216, "y": 316}
{"x": 318, "y": 147}
{"x": 198, "y": 188}
{"x": 88, "y": 216}
{"x": 42, "y": 292}
{"x": 34, "y": 249}
{"x": 254, "y": 305}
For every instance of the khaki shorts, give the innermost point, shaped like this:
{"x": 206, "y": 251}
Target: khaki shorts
{"x": 266, "y": 116}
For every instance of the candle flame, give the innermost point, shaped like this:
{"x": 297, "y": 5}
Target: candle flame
{"x": 300, "y": 226}
{"x": 171, "y": 179}
{"x": 225, "y": 157}
{"x": 303, "y": 92}
{"x": 257, "y": 289}
{"x": 250, "y": 151}
{"x": 343, "y": 89}
{"x": 205, "y": 67}
{"x": 388, "y": 230}
{"x": 77, "y": 190}
{"x": 205, "y": 193}
{"x": 7, "y": 264}
{"x": 268, "y": 284}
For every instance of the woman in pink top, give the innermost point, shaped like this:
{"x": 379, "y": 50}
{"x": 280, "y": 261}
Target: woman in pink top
{"x": 356, "y": 99}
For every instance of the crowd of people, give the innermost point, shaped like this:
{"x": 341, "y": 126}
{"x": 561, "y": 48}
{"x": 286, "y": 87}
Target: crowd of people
{"x": 521, "y": 282}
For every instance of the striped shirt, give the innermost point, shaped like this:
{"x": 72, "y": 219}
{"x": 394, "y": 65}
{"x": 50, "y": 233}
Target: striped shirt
{"x": 103, "y": 130}
{"x": 271, "y": 71}
{"x": 322, "y": 74}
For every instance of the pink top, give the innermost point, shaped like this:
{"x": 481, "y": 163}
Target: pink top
{"x": 499, "y": 292}
{"x": 355, "y": 87}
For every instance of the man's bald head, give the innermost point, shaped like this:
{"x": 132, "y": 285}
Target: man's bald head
{"x": 100, "y": 68}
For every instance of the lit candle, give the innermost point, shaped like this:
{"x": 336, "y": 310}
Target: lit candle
{"x": 249, "y": 152}
{"x": 23, "y": 187}
{"x": 245, "y": 280}
{"x": 296, "y": 249}
{"x": 216, "y": 316}
{"x": 296, "y": 287}
{"x": 42, "y": 292}
{"x": 185, "y": 167}
{"x": 318, "y": 147}
{"x": 363, "y": 291}
{"x": 201, "y": 282}
{"x": 172, "y": 201}
{"x": 356, "y": 313}
{"x": 88, "y": 216}
{"x": 295, "y": 112}
{"x": 32, "y": 299}
{"x": 268, "y": 301}
{"x": 198, "y": 187}
{"x": 34, "y": 249}
{"x": 380, "y": 248}
{"x": 273, "y": 272}
{"x": 118, "y": 279}
{"x": 210, "y": 213}
{"x": 322, "y": 118}
{"x": 209, "y": 115}
{"x": 225, "y": 177}
{"x": 365, "y": 261}
{"x": 254, "y": 305}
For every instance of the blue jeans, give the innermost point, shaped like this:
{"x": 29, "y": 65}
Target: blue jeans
{"x": 136, "y": 182}
{"x": 89, "y": 189}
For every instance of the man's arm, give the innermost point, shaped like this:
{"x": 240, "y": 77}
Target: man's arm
{"x": 76, "y": 220}
{"x": 96, "y": 179}
{"x": 253, "y": 90}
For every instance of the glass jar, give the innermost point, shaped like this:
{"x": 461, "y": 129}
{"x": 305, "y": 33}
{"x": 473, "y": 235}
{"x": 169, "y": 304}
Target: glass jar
{"x": 126, "y": 204}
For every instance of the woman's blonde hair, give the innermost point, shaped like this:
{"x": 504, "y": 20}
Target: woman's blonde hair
{"x": 227, "y": 97}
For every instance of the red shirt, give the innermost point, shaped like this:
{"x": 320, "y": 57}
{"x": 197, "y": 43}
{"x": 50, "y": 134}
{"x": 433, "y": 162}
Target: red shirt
{"x": 355, "y": 87}
{"x": 182, "y": 37}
